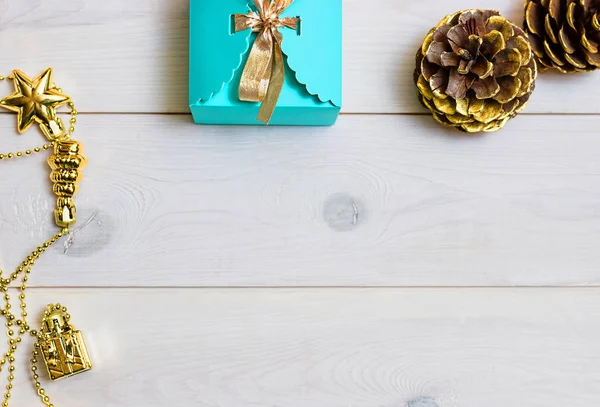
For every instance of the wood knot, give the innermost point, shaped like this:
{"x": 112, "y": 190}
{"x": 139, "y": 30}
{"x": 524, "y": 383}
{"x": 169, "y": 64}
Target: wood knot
{"x": 422, "y": 402}
{"x": 343, "y": 212}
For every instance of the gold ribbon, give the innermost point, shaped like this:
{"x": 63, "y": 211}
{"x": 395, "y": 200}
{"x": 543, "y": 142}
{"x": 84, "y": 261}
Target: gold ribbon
{"x": 264, "y": 73}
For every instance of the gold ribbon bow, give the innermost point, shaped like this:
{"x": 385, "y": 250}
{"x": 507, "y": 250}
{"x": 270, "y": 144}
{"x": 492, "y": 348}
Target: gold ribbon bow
{"x": 264, "y": 73}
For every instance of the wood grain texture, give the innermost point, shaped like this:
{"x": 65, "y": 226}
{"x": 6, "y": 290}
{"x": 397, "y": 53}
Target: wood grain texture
{"x": 330, "y": 348}
{"x": 378, "y": 200}
{"x": 131, "y": 56}
{"x": 375, "y": 201}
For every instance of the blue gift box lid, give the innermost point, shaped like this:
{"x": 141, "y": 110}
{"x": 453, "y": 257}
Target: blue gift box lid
{"x": 313, "y": 53}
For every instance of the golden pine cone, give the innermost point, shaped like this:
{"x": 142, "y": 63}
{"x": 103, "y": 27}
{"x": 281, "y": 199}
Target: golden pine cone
{"x": 564, "y": 34}
{"x": 475, "y": 71}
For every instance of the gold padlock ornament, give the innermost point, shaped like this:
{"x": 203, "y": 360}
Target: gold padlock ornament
{"x": 63, "y": 348}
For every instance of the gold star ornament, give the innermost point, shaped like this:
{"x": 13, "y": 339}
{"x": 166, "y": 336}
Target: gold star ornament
{"x": 36, "y": 100}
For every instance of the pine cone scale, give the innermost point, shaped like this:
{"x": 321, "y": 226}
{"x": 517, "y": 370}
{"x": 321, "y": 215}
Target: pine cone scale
{"x": 596, "y": 22}
{"x": 534, "y": 20}
{"x": 445, "y": 106}
{"x": 487, "y": 88}
{"x": 493, "y": 43}
{"x": 482, "y": 68}
{"x": 554, "y": 8}
{"x": 565, "y": 41}
{"x": 450, "y": 59}
{"x": 435, "y": 51}
{"x": 509, "y": 89}
{"x": 593, "y": 59}
{"x": 574, "y": 60}
{"x": 522, "y": 45}
{"x": 588, "y": 43}
{"x": 554, "y": 56}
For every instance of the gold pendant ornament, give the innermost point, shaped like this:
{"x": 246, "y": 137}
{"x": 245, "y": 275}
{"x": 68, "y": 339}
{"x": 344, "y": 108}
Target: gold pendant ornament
{"x": 35, "y": 100}
{"x": 61, "y": 347}
{"x": 67, "y": 162}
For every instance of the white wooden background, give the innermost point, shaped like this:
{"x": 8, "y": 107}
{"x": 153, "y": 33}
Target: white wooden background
{"x": 384, "y": 262}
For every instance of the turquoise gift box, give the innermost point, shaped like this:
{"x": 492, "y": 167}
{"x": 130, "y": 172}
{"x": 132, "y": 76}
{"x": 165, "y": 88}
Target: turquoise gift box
{"x": 312, "y": 91}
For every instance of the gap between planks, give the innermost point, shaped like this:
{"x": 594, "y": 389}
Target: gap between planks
{"x": 79, "y": 112}
{"x": 323, "y": 288}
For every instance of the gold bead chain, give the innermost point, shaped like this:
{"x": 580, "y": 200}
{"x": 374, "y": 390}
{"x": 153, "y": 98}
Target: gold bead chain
{"x": 17, "y": 327}
{"x": 15, "y": 334}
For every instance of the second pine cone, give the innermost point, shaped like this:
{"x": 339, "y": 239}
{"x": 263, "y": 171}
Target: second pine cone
{"x": 564, "y": 34}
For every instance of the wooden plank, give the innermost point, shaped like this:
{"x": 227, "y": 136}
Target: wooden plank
{"x": 376, "y": 201}
{"x": 132, "y": 56}
{"x": 330, "y": 348}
